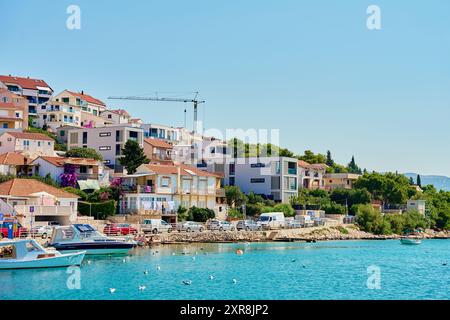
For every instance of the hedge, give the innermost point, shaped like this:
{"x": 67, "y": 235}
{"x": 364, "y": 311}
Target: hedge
{"x": 100, "y": 210}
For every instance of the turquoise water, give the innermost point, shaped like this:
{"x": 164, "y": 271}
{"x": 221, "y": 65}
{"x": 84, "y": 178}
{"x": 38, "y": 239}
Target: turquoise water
{"x": 326, "y": 270}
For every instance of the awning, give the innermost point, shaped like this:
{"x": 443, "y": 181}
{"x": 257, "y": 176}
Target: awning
{"x": 88, "y": 184}
{"x": 43, "y": 88}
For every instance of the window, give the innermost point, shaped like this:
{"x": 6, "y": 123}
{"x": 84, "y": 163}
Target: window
{"x": 118, "y": 136}
{"x": 104, "y": 134}
{"x": 39, "y": 143}
{"x": 232, "y": 168}
{"x": 232, "y": 181}
{"x": 104, "y": 148}
{"x": 257, "y": 165}
{"x": 165, "y": 182}
{"x": 49, "y": 144}
{"x": 94, "y": 112}
{"x": 62, "y": 133}
{"x": 5, "y": 126}
{"x": 85, "y": 137}
{"x": 83, "y": 169}
{"x": 65, "y": 100}
{"x": 257, "y": 180}
{"x": 118, "y": 150}
{"x": 109, "y": 116}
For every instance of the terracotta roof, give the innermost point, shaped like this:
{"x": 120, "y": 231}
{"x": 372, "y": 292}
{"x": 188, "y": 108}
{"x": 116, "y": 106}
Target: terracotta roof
{"x": 60, "y": 161}
{"x": 120, "y": 112}
{"x": 87, "y": 98}
{"x": 134, "y": 120}
{"x": 185, "y": 170}
{"x": 25, "y": 187}
{"x": 29, "y": 135}
{"x": 13, "y": 158}
{"x": 303, "y": 164}
{"x": 316, "y": 166}
{"x": 158, "y": 143}
{"x": 27, "y": 83}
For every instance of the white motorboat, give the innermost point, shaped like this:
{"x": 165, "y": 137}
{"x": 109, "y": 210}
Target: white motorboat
{"x": 410, "y": 241}
{"x": 26, "y": 254}
{"x": 84, "y": 237}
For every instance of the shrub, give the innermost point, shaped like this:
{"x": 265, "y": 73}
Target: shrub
{"x": 285, "y": 208}
{"x": 370, "y": 220}
{"x": 182, "y": 213}
{"x": 78, "y": 192}
{"x": 84, "y": 153}
{"x": 201, "y": 214}
{"x": 98, "y": 210}
{"x": 334, "y": 208}
{"x": 235, "y": 214}
{"x": 342, "y": 230}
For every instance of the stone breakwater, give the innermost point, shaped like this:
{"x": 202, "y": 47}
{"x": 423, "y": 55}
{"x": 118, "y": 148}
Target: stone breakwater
{"x": 344, "y": 232}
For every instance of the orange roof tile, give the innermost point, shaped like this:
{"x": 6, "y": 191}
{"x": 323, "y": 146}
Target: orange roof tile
{"x": 158, "y": 143}
{"x": 27, "y": 83}
{"x": 87, "y": 98}
{"x": 185, "y": 170}
{"x": 29, "y": 135}
{"x": 60, "y": 161}
{"x": 26, "y": 187}
{"x": 13, "y": 158}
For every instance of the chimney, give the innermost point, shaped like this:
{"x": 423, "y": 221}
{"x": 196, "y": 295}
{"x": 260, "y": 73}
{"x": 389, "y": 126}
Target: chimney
{"x": 82, "y": 91}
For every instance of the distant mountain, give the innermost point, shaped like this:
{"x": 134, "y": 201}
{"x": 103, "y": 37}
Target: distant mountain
{"x": 439, "y": 182}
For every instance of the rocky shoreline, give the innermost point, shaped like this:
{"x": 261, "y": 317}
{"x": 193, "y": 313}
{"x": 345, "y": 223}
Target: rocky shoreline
{"x": 347, "y": 232}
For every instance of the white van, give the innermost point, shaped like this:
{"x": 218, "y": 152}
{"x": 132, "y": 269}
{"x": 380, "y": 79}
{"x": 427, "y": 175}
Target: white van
{"x": 155, "y": 226}
{"x": 272, "y": 220}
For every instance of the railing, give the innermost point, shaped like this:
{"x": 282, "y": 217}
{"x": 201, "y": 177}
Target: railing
{"x": 43, "y": 210}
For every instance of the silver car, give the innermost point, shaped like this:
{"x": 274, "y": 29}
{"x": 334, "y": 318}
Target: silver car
{"x": 42, "y": 231}
{"x": 248, "y": 225}
{"x": 190, "y": 226}
{"x": 217, "y": 225}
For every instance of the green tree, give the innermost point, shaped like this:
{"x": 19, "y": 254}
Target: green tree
{"x": 330, "y": 161}
{"x": 419, "y": 181}
{"x": 411, "y": 181}
{"x": 353, "y": 167}
{"x": 133, "y": 156}
{"x": 84, "y": 153}
{"x": 234, "y": 196}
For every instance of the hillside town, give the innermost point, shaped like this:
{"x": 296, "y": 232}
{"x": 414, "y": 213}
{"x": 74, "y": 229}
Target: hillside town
{"x": 62, "y": 162}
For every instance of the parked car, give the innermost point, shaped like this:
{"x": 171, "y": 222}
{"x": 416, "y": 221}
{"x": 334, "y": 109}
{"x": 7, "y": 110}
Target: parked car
{"x": 19, "y": 230}
{"x": 221, "y": 226}
{"x": 119, "y": 229}
{"x": 190, "y": 226}
{"x": 294, "y": 224}
{"x": 156, "y": 226}
{"x": 272, "y": 220}
{"x": 42, "y": 231}
{"x": 248, "y": 225}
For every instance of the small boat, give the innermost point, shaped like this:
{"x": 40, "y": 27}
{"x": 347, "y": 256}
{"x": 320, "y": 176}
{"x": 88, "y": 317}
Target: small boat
{"x": 27, "y": 254}
{"x": 84, "y": 237}
{"x": 410, "y": 241}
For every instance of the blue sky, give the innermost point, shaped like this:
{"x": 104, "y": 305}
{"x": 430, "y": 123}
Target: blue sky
{"x": 309, "y": 68}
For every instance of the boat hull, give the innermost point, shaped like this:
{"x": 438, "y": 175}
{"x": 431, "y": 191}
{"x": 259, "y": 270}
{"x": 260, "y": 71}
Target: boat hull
{"x": 410, "y": 242}
{"x": 95, "y": 248}
{"x": 63, "y": 260}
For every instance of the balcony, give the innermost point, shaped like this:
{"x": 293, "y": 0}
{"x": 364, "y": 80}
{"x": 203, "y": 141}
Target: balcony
{"x": 292, "y": 171}
{"x": 44, "y": 210}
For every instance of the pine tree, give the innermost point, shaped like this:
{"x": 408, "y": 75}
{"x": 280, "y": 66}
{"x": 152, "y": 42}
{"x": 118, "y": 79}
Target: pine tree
{"x": 411, "y": 181}
{"x": 330, "y": 161}
{"x": 133, "y": 156}
{"x": 353, "y": 167}
{"x": 419, "y": 181}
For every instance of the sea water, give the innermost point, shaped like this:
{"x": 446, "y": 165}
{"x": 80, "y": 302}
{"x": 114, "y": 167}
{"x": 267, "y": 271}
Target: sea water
{"x": 273, "y": 271}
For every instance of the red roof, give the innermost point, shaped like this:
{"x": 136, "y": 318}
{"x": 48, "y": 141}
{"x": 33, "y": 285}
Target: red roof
{"x": 86, "y": 97}
{"x": 185, "y": 170}
{"x": 26, "y": 187}
{"x": 13, "y": 158}
{"x": 29, "y": 135}
{"x": 120, "y": 112}
{"x": 60, "y": 161}
{"x": 26, "y": 83}
{"x": 158, "y": 143}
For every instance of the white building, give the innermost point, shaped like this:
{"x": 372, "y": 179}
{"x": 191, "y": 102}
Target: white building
{"x": 169, "y": 134}
{"x": 118, "y": 116}
{"x": 55, "y": 114}
{"x": 311, "y": 176}
{"x": 419, "y": 205}
{"x": 36, "y": 91}
{"x": 31, "y": 145}
{"x": 108, "y": 141}
{"x": 274, "y": 178}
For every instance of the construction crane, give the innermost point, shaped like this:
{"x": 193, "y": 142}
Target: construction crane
{"x": 194, "y": 101}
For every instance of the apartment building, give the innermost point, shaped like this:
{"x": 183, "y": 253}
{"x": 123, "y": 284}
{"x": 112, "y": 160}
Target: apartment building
{"x": 160, "y": 190}
{"x": 36, "y": 91}
{"x": 90, "y": 107}
{"x": 340, "y": 180}
{"x": 31, "y": 145}
{"x": 108, "y": 141}
{"x": 169, "y": 134}
{"x": 85, "y": 169}
{"x": 311, "y": 176}
{"x": 118, "y": 116}
{"x": 55, "y": 114}
{"x": 158, "y": 151}
{"x": 274, "y": 178}
{"x": 13, "y": 111}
